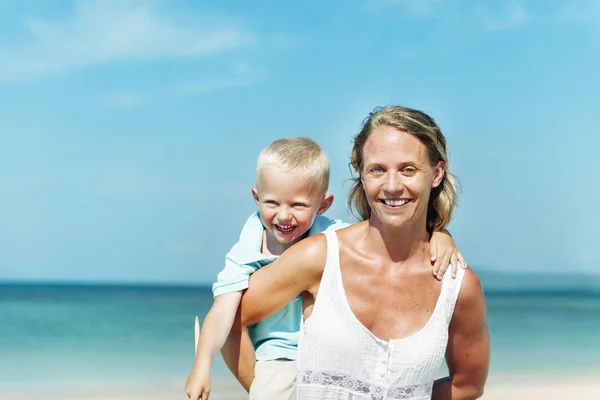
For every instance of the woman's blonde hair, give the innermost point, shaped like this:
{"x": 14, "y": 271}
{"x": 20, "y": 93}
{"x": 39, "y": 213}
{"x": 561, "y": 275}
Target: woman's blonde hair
{"x": 442, "y": 199}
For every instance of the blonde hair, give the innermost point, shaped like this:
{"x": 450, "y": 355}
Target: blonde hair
{"x": 297, "y": 154}
{"x": 442, "y": 199}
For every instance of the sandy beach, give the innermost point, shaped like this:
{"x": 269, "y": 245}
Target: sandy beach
{"x": 155, "y": 389}
{"x": 501, "y": 387}
{"x": 588, "y": 391}
{"x": 548, "y": 386}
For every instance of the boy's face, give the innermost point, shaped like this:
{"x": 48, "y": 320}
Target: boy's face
{"x": 288, "y": 203}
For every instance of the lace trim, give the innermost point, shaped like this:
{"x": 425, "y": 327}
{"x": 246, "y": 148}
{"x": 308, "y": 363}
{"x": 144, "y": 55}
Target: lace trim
{"x": 374, "y": 391}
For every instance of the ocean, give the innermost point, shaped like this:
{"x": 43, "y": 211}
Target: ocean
{"x": 52, "y": 333}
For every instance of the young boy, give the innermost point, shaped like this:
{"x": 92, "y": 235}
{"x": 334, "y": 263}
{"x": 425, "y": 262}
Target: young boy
{"x": 292, "y": 179}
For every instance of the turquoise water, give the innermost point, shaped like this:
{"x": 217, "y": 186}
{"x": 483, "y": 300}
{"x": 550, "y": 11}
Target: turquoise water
{"x": 72, "y": 332}
{"x": 544, "y": 331}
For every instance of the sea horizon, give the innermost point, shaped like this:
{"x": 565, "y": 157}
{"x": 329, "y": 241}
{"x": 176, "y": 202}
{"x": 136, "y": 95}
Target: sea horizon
{"x": 494, "y": 281}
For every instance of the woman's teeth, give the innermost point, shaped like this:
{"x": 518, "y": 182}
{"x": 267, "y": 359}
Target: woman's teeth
{"x": 395, "y": 203}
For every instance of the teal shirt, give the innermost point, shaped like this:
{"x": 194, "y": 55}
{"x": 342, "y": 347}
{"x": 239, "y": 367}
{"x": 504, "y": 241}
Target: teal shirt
{"x": 277, "y": 336}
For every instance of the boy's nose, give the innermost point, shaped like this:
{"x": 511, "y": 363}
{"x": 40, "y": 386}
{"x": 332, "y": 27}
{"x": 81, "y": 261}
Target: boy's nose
{"x": 284, "y": 216}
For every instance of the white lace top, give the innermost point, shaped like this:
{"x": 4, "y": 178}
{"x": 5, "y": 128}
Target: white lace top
{"x": 339, "y": 358}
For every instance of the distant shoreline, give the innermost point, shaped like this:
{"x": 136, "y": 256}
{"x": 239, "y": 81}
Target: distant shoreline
{"x": 493, "y": 280}
{"x": 581, "y": 290}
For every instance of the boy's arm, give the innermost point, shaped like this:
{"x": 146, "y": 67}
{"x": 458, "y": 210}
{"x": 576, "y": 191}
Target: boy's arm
{"x": 234, "y": 278}
{"x": 215, "y": 329}
{"x": 443, "y": 251}
{"x": 227, "y": 291}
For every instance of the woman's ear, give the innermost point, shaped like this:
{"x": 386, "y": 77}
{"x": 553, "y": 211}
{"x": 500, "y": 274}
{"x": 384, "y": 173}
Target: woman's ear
{"x": 438, "y": 174}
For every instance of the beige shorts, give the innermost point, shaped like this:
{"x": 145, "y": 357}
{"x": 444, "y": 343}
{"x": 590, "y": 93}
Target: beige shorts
{"x": 274, "y": 380}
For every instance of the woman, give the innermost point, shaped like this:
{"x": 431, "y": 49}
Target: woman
{"x": 376, "y": 324}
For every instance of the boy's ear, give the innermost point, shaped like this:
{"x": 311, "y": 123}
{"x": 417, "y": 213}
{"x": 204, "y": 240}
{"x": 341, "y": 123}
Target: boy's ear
{"x": 255, "y": 195}
{"x": 325, "y": 203}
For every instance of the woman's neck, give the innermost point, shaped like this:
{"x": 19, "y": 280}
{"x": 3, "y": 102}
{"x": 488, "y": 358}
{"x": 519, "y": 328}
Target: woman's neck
{"x": 398, "y": 243}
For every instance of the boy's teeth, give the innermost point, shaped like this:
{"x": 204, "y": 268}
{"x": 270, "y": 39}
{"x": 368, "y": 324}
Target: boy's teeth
{"x": 395, "y": 202}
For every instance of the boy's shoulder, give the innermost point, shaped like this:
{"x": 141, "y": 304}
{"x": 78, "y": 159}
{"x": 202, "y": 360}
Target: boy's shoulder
{"x": 252, "y": 227}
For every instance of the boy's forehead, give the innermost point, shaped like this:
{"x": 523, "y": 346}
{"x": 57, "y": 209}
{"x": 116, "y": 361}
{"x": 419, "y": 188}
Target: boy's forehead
{"x": 273, "y": 179}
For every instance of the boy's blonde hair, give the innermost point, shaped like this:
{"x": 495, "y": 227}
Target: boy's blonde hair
{"x": 297, "y": 154}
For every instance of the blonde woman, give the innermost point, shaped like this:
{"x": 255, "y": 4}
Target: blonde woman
{"x": 376, "y": 324}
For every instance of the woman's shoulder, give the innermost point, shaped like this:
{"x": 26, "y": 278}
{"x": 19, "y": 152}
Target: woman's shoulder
{"x": 310, "y": 252}
{"x": 471, "y": 293}
{"x": 312, "y": 245}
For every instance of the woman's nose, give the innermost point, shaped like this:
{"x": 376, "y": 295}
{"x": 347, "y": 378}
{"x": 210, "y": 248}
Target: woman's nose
{"x": 393, "y": 184}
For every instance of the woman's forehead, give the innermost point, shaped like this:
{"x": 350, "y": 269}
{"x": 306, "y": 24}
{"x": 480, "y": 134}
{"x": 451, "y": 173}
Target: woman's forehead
{"x": 390, "y": 144}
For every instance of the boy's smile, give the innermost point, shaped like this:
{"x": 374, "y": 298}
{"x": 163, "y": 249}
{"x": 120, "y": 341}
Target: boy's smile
{"x": 284, "y": 229}
{"x": 288, "y": 203}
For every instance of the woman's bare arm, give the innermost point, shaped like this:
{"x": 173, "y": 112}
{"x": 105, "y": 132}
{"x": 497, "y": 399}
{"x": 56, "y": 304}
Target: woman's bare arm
{"x": 271, "y": 288}
{"x": 468, "y": 351}
{"x": 238, "y": 354}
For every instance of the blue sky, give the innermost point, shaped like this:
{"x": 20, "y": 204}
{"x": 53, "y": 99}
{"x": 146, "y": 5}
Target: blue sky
{"x": 129, "y": 130}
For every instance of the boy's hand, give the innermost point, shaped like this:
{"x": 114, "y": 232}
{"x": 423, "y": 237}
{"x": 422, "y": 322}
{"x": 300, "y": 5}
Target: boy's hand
{"x": 197, "y": 386}
{"x": 443, "y": 251}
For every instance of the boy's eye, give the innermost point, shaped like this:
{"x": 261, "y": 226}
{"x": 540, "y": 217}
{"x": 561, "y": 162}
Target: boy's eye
{"x": 272, "y": 202}
{"x": 298, "y": 205}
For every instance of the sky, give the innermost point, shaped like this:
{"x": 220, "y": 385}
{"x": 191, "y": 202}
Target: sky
{"x": 129, "y": 130}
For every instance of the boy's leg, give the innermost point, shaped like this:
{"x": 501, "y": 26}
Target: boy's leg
{"x": 274, "y": 380}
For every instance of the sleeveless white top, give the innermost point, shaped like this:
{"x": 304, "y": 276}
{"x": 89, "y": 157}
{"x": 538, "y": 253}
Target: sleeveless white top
{"x": 339, "y": 358}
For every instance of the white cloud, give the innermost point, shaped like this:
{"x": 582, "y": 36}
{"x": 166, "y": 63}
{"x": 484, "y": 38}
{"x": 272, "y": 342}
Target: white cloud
{"x": 510, "y": 16}
{"x": 124, "y": 99}
{"x": 133, "y": 182}
{"x": 241, "y": 75}
{"x": 580, "y": 12}
{"x": 103, "y": 31}
{"x": 420, "y": 7}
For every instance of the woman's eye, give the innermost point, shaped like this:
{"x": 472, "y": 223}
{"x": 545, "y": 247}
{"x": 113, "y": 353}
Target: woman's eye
{"x": 377, "y": 170}
{"x": 409, "y": 170}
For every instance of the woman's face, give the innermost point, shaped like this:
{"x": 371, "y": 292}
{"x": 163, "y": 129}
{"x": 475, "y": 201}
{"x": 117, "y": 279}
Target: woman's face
{"x": 397, "y": 177}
